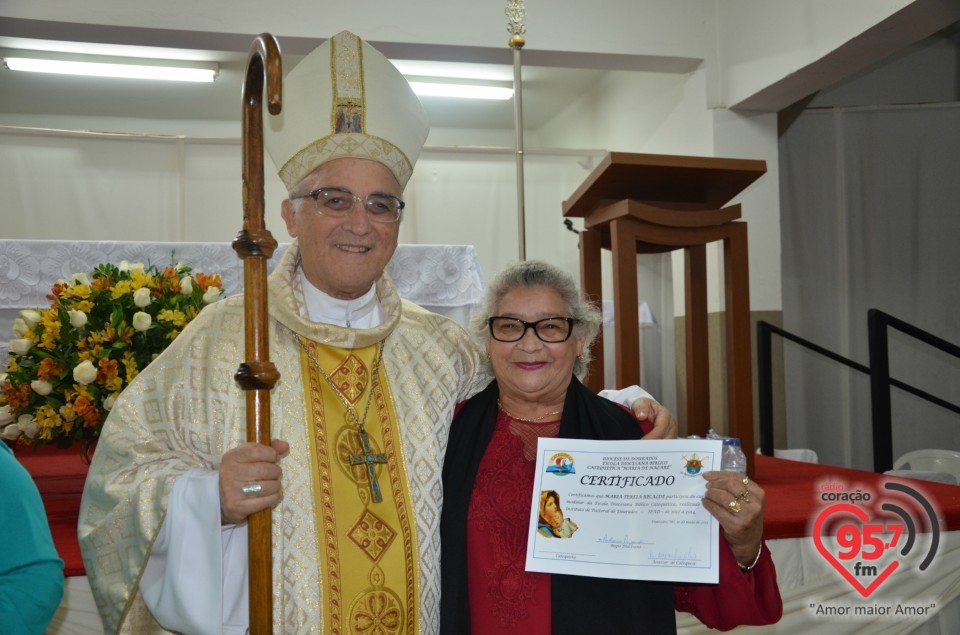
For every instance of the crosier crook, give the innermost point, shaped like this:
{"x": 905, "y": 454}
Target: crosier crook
{"x": 255, "y": 245}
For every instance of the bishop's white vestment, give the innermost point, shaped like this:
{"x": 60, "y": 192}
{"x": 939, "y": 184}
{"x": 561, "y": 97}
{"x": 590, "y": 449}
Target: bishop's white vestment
{"x": 340, "y": 560}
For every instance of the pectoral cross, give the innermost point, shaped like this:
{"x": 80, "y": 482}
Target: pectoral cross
{"x": 369, "y": 459}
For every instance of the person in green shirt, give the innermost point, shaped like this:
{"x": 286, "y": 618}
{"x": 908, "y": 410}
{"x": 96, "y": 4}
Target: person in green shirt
{"x": 31, "y": 572}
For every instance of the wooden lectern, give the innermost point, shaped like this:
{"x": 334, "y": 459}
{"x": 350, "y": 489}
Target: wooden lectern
{"x": 650, "y": 203}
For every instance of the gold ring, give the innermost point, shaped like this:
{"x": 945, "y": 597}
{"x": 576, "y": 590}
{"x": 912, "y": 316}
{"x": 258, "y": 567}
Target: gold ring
{"x": 744, "y": 496}
{"x": 734, "y": 506}
{"x": 746, "y": 481}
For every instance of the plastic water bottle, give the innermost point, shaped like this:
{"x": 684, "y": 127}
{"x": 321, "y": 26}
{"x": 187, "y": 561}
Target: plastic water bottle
{"x": 733, "y": 458}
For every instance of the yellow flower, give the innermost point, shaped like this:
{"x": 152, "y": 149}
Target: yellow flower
{"x": 51, "y": 330}
{"x": 141, "y": 279}
{"x": 121, "y": 289}
{"x": 48, "y": 420}
{"x": 130, "y": 366}
{"x": 81, "y": 291}
{"x": 177, "y": 318}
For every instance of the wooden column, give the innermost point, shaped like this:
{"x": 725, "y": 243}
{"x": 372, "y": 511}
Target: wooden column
{"x": 591, "y": 284}
{"x": 696, "y": 339}
{"x": 625, "y": 326}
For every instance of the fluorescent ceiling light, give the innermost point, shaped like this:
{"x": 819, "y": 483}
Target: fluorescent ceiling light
{"x": 455, "y": 70}
{"x": 466, "y": 91}
{"x": 128, "y": 68}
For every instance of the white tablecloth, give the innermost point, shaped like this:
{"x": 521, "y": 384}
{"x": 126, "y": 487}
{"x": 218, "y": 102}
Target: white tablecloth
{"x": 442, "y": 278}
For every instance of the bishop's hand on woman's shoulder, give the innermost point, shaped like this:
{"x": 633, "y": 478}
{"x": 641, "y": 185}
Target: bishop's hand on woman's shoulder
{"x": 664, "y": 423}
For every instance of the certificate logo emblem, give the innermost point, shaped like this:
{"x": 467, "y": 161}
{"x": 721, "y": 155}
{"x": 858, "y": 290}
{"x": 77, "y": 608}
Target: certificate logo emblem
{"x": 693, "y": 465}
{"x": 561, "y": 464}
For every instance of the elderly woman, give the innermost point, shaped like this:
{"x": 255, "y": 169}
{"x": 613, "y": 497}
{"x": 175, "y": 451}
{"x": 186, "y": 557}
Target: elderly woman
{"x": 537, "y": 332}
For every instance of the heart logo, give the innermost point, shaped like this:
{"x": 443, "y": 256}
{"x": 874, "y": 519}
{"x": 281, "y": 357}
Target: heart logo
{"x": 855, "y": 535}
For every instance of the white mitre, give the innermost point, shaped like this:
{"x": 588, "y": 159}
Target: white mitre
{"x": 345, "y": 99}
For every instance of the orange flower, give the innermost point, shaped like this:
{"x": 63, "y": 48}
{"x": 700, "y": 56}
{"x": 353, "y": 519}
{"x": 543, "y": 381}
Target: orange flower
{"x": 100, "y": 283}
{"x": 17, "y": 396}
{"x": 205, "y": 281}
{"x": 49, "y": 368}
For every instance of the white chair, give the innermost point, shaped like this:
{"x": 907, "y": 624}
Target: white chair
{"x": 929, "y": 462}
{"x": 804, "y": 455}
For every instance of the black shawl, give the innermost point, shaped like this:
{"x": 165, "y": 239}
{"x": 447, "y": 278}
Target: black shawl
{"x": 579, "y": 604}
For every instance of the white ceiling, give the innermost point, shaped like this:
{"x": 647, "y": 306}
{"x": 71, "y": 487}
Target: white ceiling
{"x": 550, "y": 82}
{"x": 545, "y": 92}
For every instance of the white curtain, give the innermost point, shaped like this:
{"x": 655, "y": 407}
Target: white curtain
{"x": 870, "y": 204}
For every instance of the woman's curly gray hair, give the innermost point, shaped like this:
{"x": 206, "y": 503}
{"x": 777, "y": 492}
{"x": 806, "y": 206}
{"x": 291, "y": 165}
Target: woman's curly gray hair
{"x": 535, "y": 273}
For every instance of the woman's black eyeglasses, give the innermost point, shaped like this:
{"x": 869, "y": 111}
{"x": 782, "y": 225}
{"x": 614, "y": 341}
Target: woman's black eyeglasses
{"x": 552, "y": 330}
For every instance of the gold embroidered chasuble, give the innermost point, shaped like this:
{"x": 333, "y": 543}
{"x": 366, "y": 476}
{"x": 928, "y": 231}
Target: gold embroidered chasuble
{"x": 184, "y": 412}
{"x": 368, "y": 547}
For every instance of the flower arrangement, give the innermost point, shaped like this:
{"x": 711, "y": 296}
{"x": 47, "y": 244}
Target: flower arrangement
{"x": 68, "y": 363}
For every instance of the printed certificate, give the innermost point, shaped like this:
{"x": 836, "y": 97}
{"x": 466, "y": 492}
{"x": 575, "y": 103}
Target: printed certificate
{"x": 624, "y": 509}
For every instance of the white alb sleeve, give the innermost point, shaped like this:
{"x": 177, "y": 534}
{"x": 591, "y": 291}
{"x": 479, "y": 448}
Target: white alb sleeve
{"x": 195, "y": 580}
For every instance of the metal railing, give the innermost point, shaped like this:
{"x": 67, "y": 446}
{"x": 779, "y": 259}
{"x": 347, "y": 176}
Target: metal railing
{"x": 881, "y": 382}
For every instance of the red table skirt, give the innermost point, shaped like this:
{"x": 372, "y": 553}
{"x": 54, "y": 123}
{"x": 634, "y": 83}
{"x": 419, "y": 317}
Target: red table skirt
{"x": 59, "y": 475}
{"x": 797, "y": 492}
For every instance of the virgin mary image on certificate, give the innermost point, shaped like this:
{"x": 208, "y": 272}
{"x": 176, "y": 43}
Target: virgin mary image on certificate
{"x": 552, "y": 523}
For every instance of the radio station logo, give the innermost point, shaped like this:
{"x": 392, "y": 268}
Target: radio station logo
{"x": 867, "y": 540}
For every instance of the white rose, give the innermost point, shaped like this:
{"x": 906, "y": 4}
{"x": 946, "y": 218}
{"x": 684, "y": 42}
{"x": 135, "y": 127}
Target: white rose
{"x": 31, "y": 317}
{"x": 11, "y": 432}
{"x": 141, "y": 297}
{"x": 78, "y": 319}
{"x": 5, "y": 415}
{"x": 28, "y": 426}
{"x": 42, "y": 387}
{"x": 20, "y": 346}
{"x": 142, "y": 321}
{"x": 84, "y": 372}
{"x": 211, "y": 295}
{"x": 136, "y": 267}
{"x": 109, "y": 401}
{"x": 186, "y": 285}
{"x": 124, "y": 266}
{"x": 81, "y": 278}
{"x": 20, "y": 327}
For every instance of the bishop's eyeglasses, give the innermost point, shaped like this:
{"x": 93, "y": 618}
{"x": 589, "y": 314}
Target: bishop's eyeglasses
{"x": 552, "y": 330}
{"x": 331, "y": 201}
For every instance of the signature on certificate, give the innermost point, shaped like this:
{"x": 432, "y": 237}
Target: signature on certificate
{"x": 689, "y": 554}
{"x": 626, "y": 540}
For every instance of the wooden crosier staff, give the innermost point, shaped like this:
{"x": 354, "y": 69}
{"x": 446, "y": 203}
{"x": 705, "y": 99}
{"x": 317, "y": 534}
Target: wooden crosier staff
{"x": 255, "y": 245}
